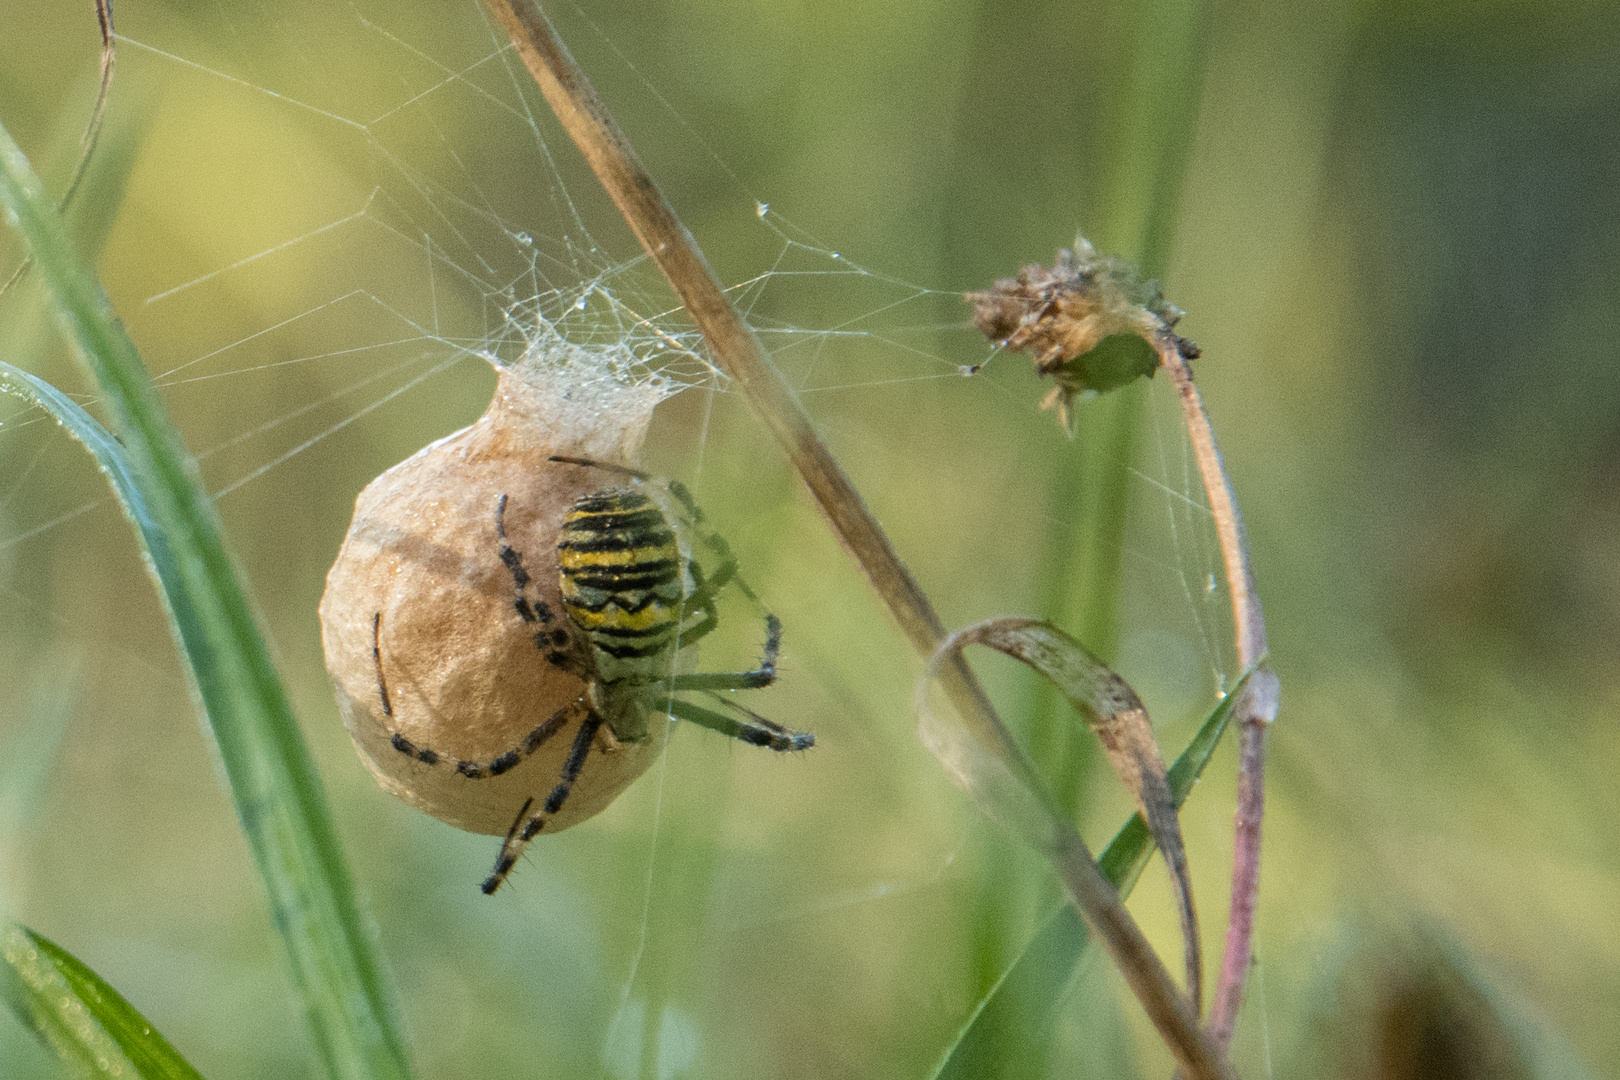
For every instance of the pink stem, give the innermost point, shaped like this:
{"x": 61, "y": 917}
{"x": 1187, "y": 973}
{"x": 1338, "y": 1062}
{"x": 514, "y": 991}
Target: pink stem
{"x": 1251, "y": 807}
{"x": 1258, "y": 707}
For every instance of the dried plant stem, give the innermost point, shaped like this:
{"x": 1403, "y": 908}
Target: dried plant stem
{"x": 738, "y": 353}
{"x": 1258, "y": 706}
{"x": 1171, "y": 1011}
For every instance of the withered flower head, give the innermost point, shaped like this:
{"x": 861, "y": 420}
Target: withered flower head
{"x": 1061, "y": 315}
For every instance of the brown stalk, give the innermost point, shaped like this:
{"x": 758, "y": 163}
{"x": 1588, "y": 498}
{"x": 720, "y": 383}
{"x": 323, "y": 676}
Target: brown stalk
{"x": 1258, "y": 707}
{"x": 738, "y": 353}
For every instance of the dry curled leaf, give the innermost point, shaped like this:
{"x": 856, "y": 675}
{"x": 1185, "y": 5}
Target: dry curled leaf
{"x": 1006, "y": 790}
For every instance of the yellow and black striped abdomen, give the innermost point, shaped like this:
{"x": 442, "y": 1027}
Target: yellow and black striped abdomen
{"x": 620, "y": 569}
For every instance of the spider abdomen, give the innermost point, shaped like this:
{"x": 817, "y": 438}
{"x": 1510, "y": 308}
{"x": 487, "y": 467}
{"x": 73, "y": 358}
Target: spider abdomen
{"x": 619, "y": 567}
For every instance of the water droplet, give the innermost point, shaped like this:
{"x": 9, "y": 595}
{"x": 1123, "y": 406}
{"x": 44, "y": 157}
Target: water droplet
{"x": 524, "y": 238}
{"x": 762, "y": 208}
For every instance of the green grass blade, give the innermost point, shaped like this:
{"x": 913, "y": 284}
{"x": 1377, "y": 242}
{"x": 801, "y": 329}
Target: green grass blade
{"x": 1127, "y": 854}
{"x": 278, "y": 795}
{"x": 75, "y": 1013}
{"x": 1018, "y": 1011}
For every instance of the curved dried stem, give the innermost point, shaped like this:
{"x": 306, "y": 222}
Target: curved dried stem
{"x": 1257, "y": 707}
{"x": 739, "y": 354}
{"x": 98, "y": 113}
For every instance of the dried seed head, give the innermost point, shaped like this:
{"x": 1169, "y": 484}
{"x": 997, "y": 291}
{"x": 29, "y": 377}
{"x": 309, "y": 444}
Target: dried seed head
{"x": 1061, "y": 315}
{"x": 443, "y": 626}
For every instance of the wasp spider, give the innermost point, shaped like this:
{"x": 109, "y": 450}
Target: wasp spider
{"x": 630, "y": 598}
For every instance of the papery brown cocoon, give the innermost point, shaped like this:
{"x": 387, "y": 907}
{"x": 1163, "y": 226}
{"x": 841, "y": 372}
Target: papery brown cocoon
{"x": 467, "y": 675}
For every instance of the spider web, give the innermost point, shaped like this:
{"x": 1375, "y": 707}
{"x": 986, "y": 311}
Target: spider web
{"x": 403, "y": 209}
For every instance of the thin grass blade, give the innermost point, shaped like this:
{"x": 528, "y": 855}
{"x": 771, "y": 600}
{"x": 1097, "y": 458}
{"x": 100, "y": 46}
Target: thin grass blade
{"x": 76, "y": 1014}
{"x": 277, "y": 792}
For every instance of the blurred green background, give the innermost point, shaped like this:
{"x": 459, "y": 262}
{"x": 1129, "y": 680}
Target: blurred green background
{"x": 1396, "y": 230}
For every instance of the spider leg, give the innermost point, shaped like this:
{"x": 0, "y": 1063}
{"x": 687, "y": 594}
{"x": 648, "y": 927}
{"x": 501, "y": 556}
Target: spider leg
{"x": 707, "y": 588}
{"x": 472, "y": 770}
{"x": 606, "y": 466}
{"x": 713, "y": 541}
{"x": 683, "y": 495}
{"x": 503, "y": 865}
{"x": 761, "y": 676}
{"x": 727, "y": 574}
{"x": 554, "y": 641}
{"x": 525, "y": 827}
{"x": 513, "y": 561}
{"x": 376, "y": 658}
{"x": 690, "y": 635}
{"x": 756, "y": 730}
{"x": 701, "y": 600}
{"x": 480, "y": 770}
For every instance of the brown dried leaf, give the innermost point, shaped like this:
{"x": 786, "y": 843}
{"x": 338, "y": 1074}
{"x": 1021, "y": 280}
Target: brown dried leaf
{"x": 1110, "y": 708}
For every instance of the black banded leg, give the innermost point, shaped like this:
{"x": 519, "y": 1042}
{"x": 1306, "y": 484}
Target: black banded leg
{"x": 524, "y": 828}
{"x": 606, "y": 466}
{"x": 551, "y": 639}
{"x": 376, "y": 658}
{"x": 701, "y": 601}
{"x": 479, "y": 770}
{"x": 503, "y": 865}
{"x": 711, "y": 539}
{"x": 514, "y": 562}
{"x": 756, "y": 730}
{"x": 761, "y": 676}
